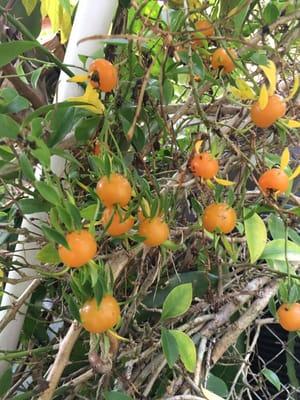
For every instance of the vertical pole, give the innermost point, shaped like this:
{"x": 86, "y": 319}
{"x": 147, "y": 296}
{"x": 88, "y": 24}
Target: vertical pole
{"x": 93, "y": 17}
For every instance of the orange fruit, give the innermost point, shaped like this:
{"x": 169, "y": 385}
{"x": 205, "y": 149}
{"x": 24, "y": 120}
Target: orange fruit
{"x": 98, "y": 319}
{"x": 114, "y": 189}
{"x": 219, "y": 216}
{"x": 154, "y": 230}
{"x": 204, "y": 28}
{"x": 83, "y": 248}
{"x": 276, "y": 108}
{"x": 103, "y": 75}
{"x": 118, "y": 226}
{"x": 274, "y": 180}
{"x": 289, "y": 316}
{"x": 204, "y": 165}
{"x": 222, "y": 58}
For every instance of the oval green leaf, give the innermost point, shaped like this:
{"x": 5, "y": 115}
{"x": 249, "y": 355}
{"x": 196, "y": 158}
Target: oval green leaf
{"x": 256, "y": 235}
{"x": 186, "y": 349}
{"x": 48, "y": 193}
{"x": 10, "y": 50}
{"x": 8, "y": 127}
{"x": 271, "y": 377}
{"x": 178, "y": 301}
{"x": 280, "y": 249}
{"x": 169, "y": 346}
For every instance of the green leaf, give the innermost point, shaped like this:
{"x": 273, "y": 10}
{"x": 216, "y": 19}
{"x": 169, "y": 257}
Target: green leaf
{"x": 26, "y": 167}
{"x": 75, "y": 214}
{"x": 98, "y": 291}
{"x": 217, "y": 385}
{"x": 35, "y": 76}
{"x": 275, "y": 250}
{"x": 94, "y": 273}
{"x": 48, "y": 254}
{"x": 52, "y": 234}
{"x": 42, "y": 152}
{"x": 272, "y": 307}
{"x": 10, "y": 50}
{"x": 29, "y": 5}
{"x": 168, "y": 91}
{"x": 30, "y": 206}
{"x": 48, "y": 193}
{"x": 88, "y": 212}
{"x": 178, "y": 301}
{"x": 5, "y": 381}
{"x": 8, "y": 127}
{"x": 186, "y": 349}
{"x": 86, "y": 128}
{"x": 169, "y": 346}
{"x": 73, "y": 307}
{"x": 272, "y": 378}
{"x": 256, "y": 235}
{"x": 276, "y": 227}
{"x": 12, "y": 102}
{"x": 270, "y": 13}
{"x": 116, "y": 396}
{"x": 293, "y": 294}
{"x": 65, "y": 217}
{"x": 239, "y": 18}
{"x": 294, "y": 236}
{"x": 62, "y": 121}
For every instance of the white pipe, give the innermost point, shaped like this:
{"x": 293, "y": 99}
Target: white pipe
{"x": 93, "y": 17}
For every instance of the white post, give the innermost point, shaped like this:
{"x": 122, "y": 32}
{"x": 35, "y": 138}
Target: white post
{"x": 93, "y": 17}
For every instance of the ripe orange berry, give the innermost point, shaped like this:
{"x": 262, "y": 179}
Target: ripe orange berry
{"x": 83, "y": 248}
{"x": 204, "y": 28}
{"x": 289, "y": 316}
{"x": 103, "y": 75}
{"x": 98, "y": 319}
{"x": 114, "y": 189}
{"x": 204, "y": 165}
{"x": 222, "y": 58}
{"x": 274, "y": 179}
{"x": 118, "y": 225}
{"x": 219, "y": 216}
{"x": 276, "y": 108}
{"x": 154, "y": 230}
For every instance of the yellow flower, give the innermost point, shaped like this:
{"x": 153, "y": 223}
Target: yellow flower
{"x": 91, "y": 97}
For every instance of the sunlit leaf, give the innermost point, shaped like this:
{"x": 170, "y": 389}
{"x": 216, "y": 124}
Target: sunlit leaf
{"x": 29, "y": 5}
{"x": 59, "y": 16}
{"x": 210, "y": 395}
{"x": 263, "y": 97}
{"x": 295, "y": 173}
{"x": 285, "y": 158}
{"x": 256, "y": 236}
{"x": 224, "y": 182}
{"x": 210, "y": 184}
{"x": 78, "y": 78}
{"x": 91, "y": 96}
{"x": 294, "y": 88}
{"x": 198, "y": 145}
{"x": 291, "y": 123}
{"x": 246, "y": 91}
{"x": 270, "y": 72}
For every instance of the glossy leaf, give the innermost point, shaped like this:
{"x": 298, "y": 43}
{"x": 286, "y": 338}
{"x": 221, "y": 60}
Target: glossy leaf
{"x": 263, "y": 97}
{"x": 177, "y": 302}
{"x": 256, "y": 235}
{"x": 48, "y": 254}
{"x": 272, "y": 377}
{"x": 55, "y": 236}
{"x": 210, "y": 395}
{"x": 29, "y": 5}
{"x": 186, "y": 349}
{"x": 217, "y": 385}
{"x": 276, "y": 227}
{"x": 270, "y": 72}
{"x": 48, "y": 193}
{"x": 285, "y": 158}
{"x": 169, "y": 346}
{"x": 279, "y": 250}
